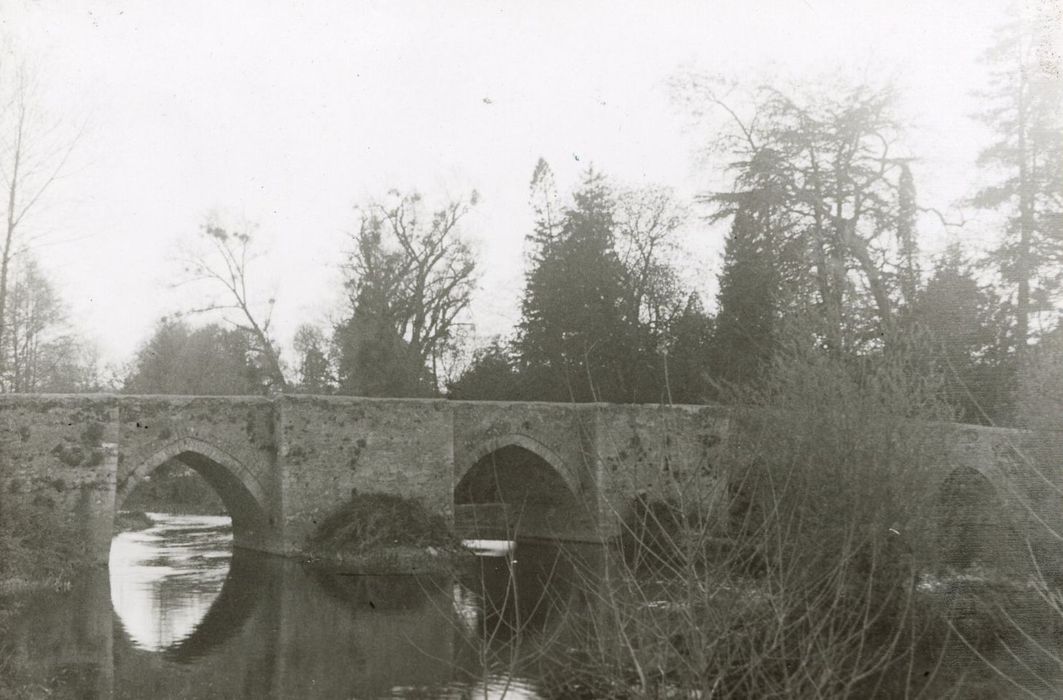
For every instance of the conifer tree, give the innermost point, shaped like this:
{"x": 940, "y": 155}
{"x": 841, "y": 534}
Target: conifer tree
{"x": 573, "y": 332}
{"x": 907, "y": 237}
{"x": 743, "y": 339}
{"x": 963, "y": 319}
{"x": 1025, "y": 164}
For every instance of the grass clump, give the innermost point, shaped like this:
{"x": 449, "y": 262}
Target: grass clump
{"x": 38, "y": 547}
{"x": 382, "y": 532}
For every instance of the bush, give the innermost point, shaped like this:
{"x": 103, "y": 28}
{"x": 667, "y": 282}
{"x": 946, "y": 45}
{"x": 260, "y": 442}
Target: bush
{"x": 827, "y": 472}
{"x": 38, "y": 547}
{"x": 369, "y": 523}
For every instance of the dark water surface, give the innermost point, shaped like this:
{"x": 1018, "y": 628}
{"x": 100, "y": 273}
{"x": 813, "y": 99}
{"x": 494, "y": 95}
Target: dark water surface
{"x": 178, "y": 615}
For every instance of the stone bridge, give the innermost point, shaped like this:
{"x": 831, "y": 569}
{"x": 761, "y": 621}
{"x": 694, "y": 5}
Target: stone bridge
{"x": 541, "y": 470}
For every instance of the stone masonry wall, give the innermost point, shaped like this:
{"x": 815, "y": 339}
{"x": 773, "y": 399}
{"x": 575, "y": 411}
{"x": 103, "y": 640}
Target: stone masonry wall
{"x": 300, "y": 456}
{"x": 329, "y": 446}
{"x": 59, "y": 454}
{"x": 239, "y": 427}
{"x": 657, "y": 452}
{"x": 560, "y": 433}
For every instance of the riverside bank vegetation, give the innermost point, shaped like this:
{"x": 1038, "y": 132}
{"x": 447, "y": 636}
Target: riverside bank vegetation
{"x": 816, "y": 570}
{"x": 816, "y": 577}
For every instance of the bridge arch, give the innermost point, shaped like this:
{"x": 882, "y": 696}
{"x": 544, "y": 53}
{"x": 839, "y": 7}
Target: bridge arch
{"x": 531, "y": 491}
{"x": 969, "y": 519}
{"x": 526, "y": 442}
{"x": 238, "y": 487}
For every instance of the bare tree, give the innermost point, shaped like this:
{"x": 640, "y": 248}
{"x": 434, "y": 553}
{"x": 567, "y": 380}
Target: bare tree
{"x": 42, "y": 353}
{"x": 315, "y": 374}
{"x": 647, "y": 221}
{"x": 33, "y": 153}
{"x": 225, "y": 266}
{"x": 831, "y": 165}
{"x": 410, "y": 275}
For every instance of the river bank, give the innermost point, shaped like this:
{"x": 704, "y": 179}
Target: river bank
{"x": 131, "y": 520}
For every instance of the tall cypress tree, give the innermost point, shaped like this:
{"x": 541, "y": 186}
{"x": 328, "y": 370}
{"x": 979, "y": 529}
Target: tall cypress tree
{"x": 573, "y": 333}
{"x": 907, "y": 240}
{"x": 743, "y": 340}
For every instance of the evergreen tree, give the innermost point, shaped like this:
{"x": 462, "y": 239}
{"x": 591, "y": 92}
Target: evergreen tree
{"x": 964, "y": 321}
{"x": 492, "y": 376}
{"x": 315, "y": 373}
{"x": 743, "y": 339}
{"x": 410, "y": 276}
{"x": 907, "y": 237}
{"x": 573, "y": 332}
{"x": 688, "y": 365}
{"x": 373, "y": 360}
{"x": 546, "y": 207}
{"x": 825, "y": 160}
{"x": 1025, "y": 112}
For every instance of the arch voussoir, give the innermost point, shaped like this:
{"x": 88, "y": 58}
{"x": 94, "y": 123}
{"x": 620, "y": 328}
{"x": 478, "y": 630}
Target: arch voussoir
{"x": 498, "y": 442}
{"x": 159, "y": 454}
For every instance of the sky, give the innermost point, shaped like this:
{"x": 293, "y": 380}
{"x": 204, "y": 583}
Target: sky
{"x": 288, "y": 114}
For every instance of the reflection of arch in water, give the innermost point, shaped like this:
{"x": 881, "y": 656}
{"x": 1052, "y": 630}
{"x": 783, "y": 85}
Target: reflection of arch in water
{"x": 246, "y": 585}
{"x": 243, "y": 591}
{"x": 239, "y": 488}
{"x": 529, "y": 591}
{"x": 968, "y": 521}
{"x": 533, "y": 495}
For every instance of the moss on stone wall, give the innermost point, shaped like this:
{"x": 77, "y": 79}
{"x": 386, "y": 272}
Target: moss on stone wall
{"x": 40, "y": 546}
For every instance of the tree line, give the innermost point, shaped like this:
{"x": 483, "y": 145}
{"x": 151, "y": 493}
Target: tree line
{"x": 819, "y": 191}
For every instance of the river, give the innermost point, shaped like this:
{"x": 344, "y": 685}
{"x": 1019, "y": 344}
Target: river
{"x": 178, "y": 614}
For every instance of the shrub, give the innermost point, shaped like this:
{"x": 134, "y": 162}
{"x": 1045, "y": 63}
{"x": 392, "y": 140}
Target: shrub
{"x": 371, "y": 522}
{"x": 38, "y": 546}
{"x": 827, "y": 469}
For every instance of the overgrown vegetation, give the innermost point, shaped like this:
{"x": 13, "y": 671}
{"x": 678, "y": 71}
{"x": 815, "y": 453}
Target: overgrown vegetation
{"x": 38, "y": 547}
{"x": 798, "y": 567}
{"x": 374, "y": 530}
{"x": 1036, "y": 638}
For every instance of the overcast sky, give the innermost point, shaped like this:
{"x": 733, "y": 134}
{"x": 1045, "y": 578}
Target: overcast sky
{"x": 289, "y": 113}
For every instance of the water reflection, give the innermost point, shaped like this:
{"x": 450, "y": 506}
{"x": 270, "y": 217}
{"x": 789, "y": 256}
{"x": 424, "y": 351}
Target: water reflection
{"x": 182, "y": 615}
{"x": 164, "y": 579}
